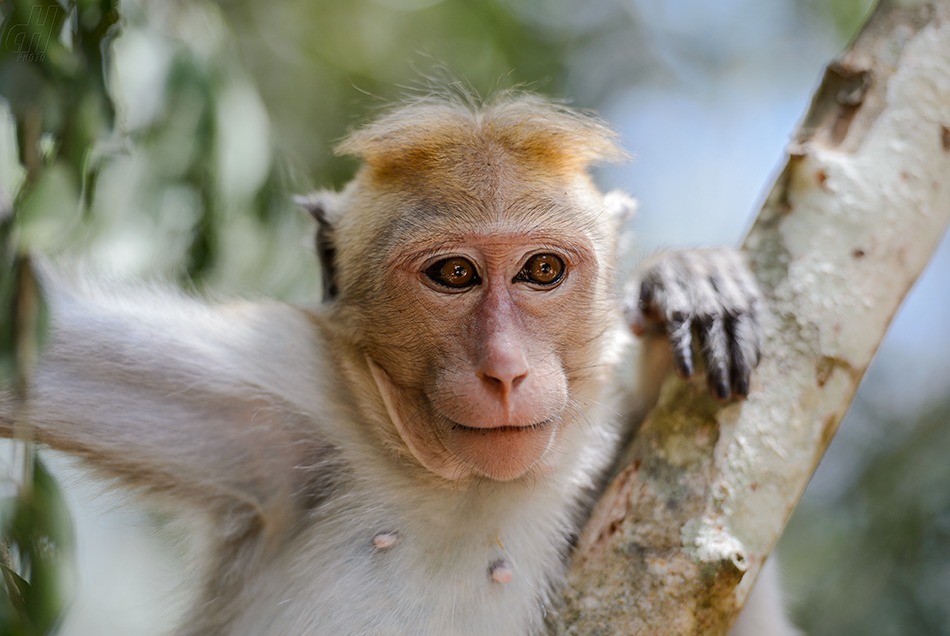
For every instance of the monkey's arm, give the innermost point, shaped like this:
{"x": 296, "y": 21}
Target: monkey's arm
{"x": 709, "y": 295}
{"x": 178, "y": 397}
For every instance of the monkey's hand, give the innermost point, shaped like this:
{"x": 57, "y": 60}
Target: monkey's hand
{"x": 706, "y": 295}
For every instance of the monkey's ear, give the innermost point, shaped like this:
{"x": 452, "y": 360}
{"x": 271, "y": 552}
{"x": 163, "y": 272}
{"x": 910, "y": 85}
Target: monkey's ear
{"x": 322, "y": 206}
{"x": 620, "y": 206}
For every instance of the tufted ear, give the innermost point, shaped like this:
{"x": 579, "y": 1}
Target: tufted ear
{"x": 620, "y": 206}
{"x": 322, "y": 206}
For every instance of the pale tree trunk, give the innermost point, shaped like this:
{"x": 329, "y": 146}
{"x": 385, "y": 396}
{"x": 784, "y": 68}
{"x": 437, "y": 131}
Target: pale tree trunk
{"x": 675, "y": 543}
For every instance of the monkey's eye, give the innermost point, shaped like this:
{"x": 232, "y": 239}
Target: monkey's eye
{"x": 542, "y": 269}
{"x": 456, "y": 273}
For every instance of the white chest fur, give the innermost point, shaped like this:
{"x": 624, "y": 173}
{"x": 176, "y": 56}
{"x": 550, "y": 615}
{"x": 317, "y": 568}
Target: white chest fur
{"x": 435, "y": 578}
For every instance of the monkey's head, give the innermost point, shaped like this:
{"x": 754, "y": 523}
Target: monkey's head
{"x": 472, "y": 257}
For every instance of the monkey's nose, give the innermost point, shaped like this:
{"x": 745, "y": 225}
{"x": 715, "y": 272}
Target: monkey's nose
{"x": 503, "y": 368}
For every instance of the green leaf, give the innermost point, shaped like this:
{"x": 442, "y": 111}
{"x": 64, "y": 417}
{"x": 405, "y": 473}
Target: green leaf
{"x": 40, "y": 531}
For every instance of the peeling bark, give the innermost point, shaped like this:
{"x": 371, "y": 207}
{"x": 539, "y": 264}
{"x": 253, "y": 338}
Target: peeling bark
{"x": 676, "y": 541}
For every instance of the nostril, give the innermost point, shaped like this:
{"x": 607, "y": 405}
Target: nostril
{"x": 495, "y": 383}
{"x": 503, "y": 386}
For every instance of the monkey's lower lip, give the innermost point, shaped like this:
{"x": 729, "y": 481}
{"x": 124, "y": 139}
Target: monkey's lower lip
{"x": 502, "y": 452}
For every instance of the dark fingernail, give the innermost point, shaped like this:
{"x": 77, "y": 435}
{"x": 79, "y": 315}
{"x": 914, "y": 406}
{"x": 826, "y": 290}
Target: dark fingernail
{"x": 742, "y": 387}
{"x": 722, "y": 390}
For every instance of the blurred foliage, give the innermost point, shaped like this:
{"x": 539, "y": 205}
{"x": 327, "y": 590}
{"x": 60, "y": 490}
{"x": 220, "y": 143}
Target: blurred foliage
{"x": 38, "y": 540}
{"x": 52, "y": 78}
{"x": 875, "y": 561}
{"x": 353, "y": 54}
{"x": 51, "y": 75}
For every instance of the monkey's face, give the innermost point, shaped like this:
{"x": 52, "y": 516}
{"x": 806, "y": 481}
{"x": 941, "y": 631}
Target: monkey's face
{"x": 471, "y": 256}
{"x": 483, "y": 337}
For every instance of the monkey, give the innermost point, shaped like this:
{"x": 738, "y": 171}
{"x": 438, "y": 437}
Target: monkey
{"x": 413, "y": 454}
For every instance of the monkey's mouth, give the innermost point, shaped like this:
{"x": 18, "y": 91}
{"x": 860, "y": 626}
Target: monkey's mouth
{"x": 500, "y": 429}
{"x": 501, "y": 452}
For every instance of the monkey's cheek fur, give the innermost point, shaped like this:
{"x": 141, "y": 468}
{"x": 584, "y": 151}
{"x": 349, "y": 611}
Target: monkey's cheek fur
{"x": 501, "y": 453}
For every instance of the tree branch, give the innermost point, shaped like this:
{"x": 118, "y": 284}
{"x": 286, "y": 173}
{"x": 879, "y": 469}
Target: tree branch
{"x": 676, "y": 541}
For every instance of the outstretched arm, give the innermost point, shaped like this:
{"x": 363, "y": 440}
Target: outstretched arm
{"x": 198, "y": 402}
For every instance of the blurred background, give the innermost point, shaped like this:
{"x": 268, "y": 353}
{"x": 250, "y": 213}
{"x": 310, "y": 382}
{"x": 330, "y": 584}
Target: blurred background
{"x": 170, "y": 135}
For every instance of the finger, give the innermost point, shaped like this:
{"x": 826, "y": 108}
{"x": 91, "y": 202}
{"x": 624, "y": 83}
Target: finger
{"x": 742, "y": 332}
{"x": 678, "y": 328}
{"x": 651, "y": 289}
{"x": 714, "y": 341}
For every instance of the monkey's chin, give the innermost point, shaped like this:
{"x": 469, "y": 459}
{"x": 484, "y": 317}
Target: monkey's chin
{"x": 503, "y": 453}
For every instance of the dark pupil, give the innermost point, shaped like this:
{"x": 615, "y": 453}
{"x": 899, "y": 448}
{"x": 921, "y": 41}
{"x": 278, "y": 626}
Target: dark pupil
{"x": 456, "y": 271}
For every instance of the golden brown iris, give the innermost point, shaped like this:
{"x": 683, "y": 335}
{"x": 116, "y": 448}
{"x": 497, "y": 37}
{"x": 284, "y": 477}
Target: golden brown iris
{"x": 455, "y": 272}
{"x": 542, "y": 269}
